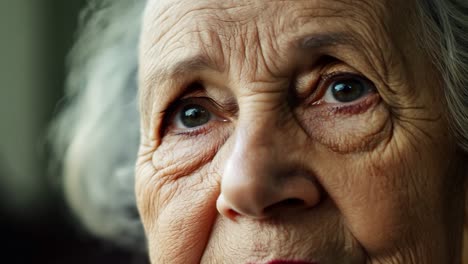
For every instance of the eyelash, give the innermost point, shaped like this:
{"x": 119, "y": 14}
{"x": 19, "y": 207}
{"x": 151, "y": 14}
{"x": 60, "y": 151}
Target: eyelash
{"x": 315, "y": 100}
{"x": 324, "y": 84}
{"x": 206, "y": 102}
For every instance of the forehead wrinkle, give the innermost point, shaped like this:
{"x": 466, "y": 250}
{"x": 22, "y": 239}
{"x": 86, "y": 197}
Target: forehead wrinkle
{"x": 187, "y": 66}
{"x": 318, "y": 41}
{"x": 206, "y": 53}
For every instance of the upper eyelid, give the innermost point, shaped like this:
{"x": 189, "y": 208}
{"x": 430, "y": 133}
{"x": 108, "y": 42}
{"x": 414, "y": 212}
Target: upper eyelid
{"x": 339, "y": 75}
{"x": 211, "y": 105}
{"x": 204, "y": 101}
{"x": 173, "y": 109}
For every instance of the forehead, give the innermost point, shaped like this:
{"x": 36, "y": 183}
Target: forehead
{"x": 284, "y": 14}
{"x": 214, "y": 32}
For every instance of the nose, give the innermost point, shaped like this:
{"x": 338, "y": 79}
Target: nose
{"x": 266, "y": 174}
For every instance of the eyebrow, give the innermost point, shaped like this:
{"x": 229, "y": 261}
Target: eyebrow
{"x": 186, "y": 66}
{"x": 321, "y": 40}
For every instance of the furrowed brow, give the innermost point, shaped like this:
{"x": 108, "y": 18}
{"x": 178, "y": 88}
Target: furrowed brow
{"x": 323, "y": 40}
{"x": 305, "y": 49}
{"x": 186, "y": 66}
{"x": 191, "y": 65}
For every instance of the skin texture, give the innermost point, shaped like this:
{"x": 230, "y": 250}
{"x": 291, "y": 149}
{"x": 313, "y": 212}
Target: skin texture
{"x": 280, "y": 170}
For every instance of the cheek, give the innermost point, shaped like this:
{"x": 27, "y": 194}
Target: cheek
{"x": 369, "y": 198}
{"x": 177, "y": 189}
{"x": 390, "y": 195}
{"x": 175, "y": 209}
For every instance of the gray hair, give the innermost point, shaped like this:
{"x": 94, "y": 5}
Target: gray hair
{"x": 444, "y": 25}
{"x": 96, "y": 136}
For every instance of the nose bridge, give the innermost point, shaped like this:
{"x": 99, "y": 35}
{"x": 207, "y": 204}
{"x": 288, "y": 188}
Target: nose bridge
{"x": 261, "y": 170}
{"x": 264, "y": 120}
{"x": 263, "y": 137}
{"x": 258, "y": 132}
{"x": 248, "y": 177}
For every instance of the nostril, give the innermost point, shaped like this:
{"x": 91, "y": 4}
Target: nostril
{"x": 231, "y": 214}
{"x": 293, "y": 202}
{"x": 287, "y": 203}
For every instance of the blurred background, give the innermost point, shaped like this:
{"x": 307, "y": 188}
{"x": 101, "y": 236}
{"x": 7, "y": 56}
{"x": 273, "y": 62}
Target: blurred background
{"x": 35, "y": 224}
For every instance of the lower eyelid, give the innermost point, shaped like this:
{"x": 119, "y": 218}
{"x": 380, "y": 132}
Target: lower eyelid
{"x": 200, "y": 130}
{"x": 191, "y": 132}
{"x": 352, "y": 108}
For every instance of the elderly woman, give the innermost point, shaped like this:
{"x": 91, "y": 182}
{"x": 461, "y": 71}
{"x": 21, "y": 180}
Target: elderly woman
{"x": 302, "y": 131}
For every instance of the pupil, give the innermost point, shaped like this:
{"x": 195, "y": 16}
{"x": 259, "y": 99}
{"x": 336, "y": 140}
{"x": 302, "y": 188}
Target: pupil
{"x": 194, "y": 115}
{"x": 347, "y": 91}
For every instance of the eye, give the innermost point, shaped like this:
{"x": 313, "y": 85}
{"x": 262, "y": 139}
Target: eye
{"x": 347, "y": 88}
{"x": 193, "y": 115}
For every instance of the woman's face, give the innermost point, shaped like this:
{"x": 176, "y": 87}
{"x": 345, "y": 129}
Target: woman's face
{"x": 308, "y": 130}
